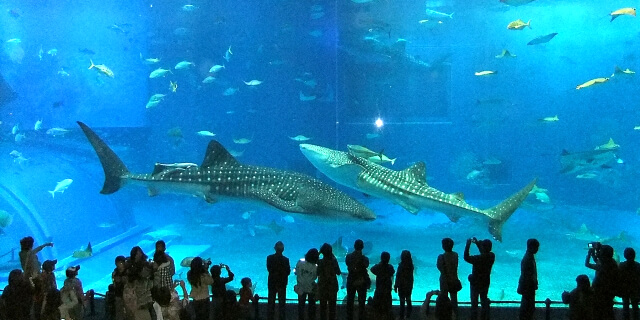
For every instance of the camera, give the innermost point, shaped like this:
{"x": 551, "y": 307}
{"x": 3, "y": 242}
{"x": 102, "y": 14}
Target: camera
{"x": 474, "y": 240}
{"x": 222, "y": 265}
{"x": 207, "y": 262}
{"x": 595, "y": 245}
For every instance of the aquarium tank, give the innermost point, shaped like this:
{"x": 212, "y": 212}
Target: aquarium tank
{"x": 222, "y": 127}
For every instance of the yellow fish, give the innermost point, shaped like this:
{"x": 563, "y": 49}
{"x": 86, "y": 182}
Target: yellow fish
{"x": 608, "y": 146}
{"x": 550, "y": 119}
{"x": 173, "y": 86}
{"x": 505, "y": 54}
{"x": 592, "y": 82}
{"x": 619, "y": 71}
{"x": 102, "y": 68}
{"x": 485, "y": 73}
{"x": 622, "y": 12}
{"x": 518, "y": 25}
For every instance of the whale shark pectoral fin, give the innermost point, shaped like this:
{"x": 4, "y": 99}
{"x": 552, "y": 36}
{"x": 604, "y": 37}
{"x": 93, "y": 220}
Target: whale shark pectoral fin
{"x": 152, "y": 192}
{"x": 411, "y": 208}
{"x": 210, "y": 198}
{"x": 452, "y": 217}
{"x": 271, "y": 198}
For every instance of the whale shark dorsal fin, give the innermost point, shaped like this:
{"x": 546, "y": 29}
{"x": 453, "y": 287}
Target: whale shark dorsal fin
{"x": 89, "y": 249}
{"x": 417, "y": 171}
{"x": 217, "y": 155}
{"x": 583, "y": 229}
{"x": 459, "y": 196}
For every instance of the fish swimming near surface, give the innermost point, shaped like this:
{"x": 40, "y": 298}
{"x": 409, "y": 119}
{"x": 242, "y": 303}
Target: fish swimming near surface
{"x": 622, "y": 12}
{"x": 83, "y": 253}
{"x": 407, "y": 188}
{"x": 222, "y": 177}
{"x": 587, "y": 161}
{"x": 61, "y": 187}
{"x": 542, "y": 39}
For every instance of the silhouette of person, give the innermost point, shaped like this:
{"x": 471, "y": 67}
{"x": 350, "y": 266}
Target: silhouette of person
{"x": 279, "y": 270}
{"x": 328, "y": 270}
{"x": 447, "y": 264}
{"x": 580, "y": 299}
{"x": 443, "y": 308}
{"x": 480, "y": 277}
{"x": 358, "y": 280}
{"x": 528, "y": 282}
{"x": 404, "y": 283}
{"x": 630, "y": 284}
{"x": 384, "y": 280}
{"x": 605, "y": 282}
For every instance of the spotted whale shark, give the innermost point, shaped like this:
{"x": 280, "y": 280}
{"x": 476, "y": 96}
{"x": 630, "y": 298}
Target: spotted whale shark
{"x": 407, "y": 188}
{"x": 222, "y": 177}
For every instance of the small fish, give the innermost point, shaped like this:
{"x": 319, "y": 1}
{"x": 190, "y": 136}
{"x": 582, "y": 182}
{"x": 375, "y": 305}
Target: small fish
{"x": 550, "y": 119}
{"x": 63, "y": 73}
{"x": 57, "y": 132}
{"x": 227, "y": 54}
{"x": 622, "y": 12}
{"x": 236, "y": 153}
{"x": 588, "y": 175}
{"x": 485, "y": 73}
{"x": 610, "y": 145}
{"x": 173, "y": 86}
{"x": 209, "y": 79}
{"x": 83, "y": 253}
{"x": 253, "y": 82}
{"x": 38, "y": 125}
{"x": 372, "y": 135}
{"x": 592, "y": 82}
{"x": 636, "y": 128}
{"x": 52, "y": 52}
{"x": 542, "y": 39}
{"x": 102, "y": 69}
{"x": 230, "y": 91}
{"x": 189, "y": 7}
{"x": 206, "y": 133}
{"x": 505, "y": 54}
{"x": 247, "y": 214}
{"x": 61, "y": 187}
{"x": 158, "y": 73}
{"x": 19, "y": 137}
{"x": 106, "y": 225}
{"x": 184, "y": 65}
{"x": 288, "y": 219}
{"x": 40, "y": 53}
{"x": 438, "y": 14}
{"x": 14, "y": 40}
{"x": 242, "y": 141}
{"x": 216, "y": 68}
{"x": 15, "y": 154}
{"x": 118, "y": 28}
{"x": 300, "y": 138}
{"x": 15, "y": 128}
{"x": 151, "y": 60}
{"x": 152, "y": 104}
{"x": 518, "y": 25}
{"x": 157, "y": 97}
{"x": 304, "y": 97}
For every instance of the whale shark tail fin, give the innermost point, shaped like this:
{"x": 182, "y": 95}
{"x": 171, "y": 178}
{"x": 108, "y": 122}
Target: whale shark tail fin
{"x": 499, "y": 214}
{"x": 113, "y": 167}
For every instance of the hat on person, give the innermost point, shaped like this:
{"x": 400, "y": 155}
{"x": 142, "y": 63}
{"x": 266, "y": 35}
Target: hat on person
{"x": 73, "y": 269}
{"x": 49, "y": 265}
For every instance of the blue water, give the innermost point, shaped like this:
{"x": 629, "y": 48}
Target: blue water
{"x": 361, "y": 62}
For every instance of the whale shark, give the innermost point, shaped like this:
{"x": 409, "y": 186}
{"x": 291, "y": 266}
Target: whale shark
{"x": 222, "y": 177}
{"x": 407, "y": 188}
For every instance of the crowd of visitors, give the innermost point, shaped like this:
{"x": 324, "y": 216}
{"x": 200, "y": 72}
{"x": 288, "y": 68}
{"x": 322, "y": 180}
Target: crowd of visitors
{"x": 144, "y": 289}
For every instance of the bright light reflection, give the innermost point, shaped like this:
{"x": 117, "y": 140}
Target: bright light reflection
{"x": 379, "y": 123}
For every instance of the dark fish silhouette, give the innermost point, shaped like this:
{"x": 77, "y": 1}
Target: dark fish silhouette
{"x": 542, "y": 39}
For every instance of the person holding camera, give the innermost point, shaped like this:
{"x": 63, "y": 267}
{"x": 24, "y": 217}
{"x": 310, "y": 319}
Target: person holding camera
{"x": 200, "y": 280}
{"x": 219, "y": 289}
{"x": 528, "y": 282}
{"x": 480, "y": 277}
{"x": 605, "y": 282}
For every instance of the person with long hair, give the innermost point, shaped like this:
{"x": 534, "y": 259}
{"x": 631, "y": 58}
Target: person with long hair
{"x": 328, "y": 271}
{"x": 17, "y": 296}
{"x": 200, "y": 280}
{"x": 404, "y": 283}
